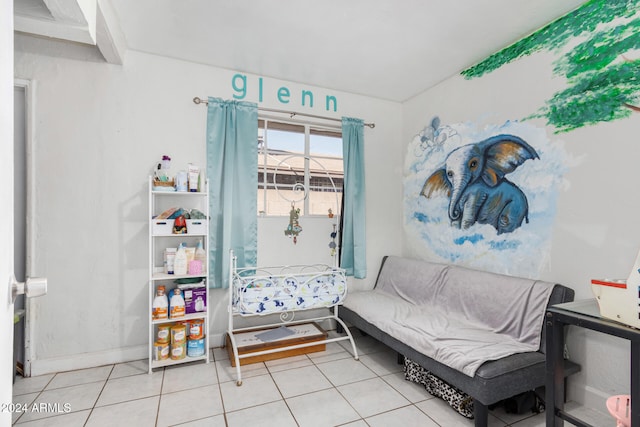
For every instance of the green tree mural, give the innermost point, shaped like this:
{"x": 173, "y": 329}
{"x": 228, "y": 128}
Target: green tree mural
{"x": 602, "y": 83}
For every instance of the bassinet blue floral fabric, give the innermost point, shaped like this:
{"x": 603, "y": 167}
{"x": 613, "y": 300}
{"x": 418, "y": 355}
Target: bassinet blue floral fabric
{"x": 278, "y": 293}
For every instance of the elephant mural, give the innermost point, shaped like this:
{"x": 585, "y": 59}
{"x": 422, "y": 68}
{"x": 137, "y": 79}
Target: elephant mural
{"x": 474, "y": 178}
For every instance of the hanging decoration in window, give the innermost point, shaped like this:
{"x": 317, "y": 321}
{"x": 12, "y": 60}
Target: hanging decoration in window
{"x": 296, "y": 194}
{"x": 293, "y": 229}
{"x": 332, "y": 245}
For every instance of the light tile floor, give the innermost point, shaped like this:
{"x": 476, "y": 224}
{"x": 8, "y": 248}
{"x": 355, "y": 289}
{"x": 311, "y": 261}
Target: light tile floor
{"x": 322, "y": 389}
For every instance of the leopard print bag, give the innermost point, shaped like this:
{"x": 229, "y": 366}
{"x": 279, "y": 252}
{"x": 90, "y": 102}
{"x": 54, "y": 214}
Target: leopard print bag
{"x": 461, "y": 402}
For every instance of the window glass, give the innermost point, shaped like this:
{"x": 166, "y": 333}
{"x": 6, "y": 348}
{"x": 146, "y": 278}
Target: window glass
{"x": 326, "y": 174}
{"x": 300, "y": 165}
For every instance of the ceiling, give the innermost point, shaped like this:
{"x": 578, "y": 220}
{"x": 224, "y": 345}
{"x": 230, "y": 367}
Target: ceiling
{"x": 388, "y": 49}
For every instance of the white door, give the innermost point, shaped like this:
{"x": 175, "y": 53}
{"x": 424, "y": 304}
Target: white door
{"x": 6, "y": 201}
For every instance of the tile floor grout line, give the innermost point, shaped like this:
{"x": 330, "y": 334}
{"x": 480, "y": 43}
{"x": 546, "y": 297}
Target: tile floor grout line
{"x": 224, "y": 411}
{"x": 295, "y": 420}
{"x": 391, "y": 377}
{"x": 98, "y": 397}
{"x": 411, "y": 404}
{"x": 391, "y": 385}
{"x": 44, "y": 389}
{"x": 351, "y": 405}
{"x": 345, "y": 397}
{"x": 335, "y": 387}
{"x": 32, "y": 402}
{"x": 428, "y": 416}
{"x": 159, "y": 397}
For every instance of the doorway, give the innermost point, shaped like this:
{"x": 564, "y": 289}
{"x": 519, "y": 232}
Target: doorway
{"x": 20, "y": 218}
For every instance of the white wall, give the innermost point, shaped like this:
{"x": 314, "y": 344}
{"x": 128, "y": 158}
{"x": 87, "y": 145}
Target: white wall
{"x": 274, "y": 248}
{"x": 6, "y": 196}
{"x": 99, "y": 128}
{"x": 596, "y": 232}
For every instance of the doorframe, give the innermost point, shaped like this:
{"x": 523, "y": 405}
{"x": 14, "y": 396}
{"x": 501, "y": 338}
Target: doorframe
{"x": 29, "y": 87}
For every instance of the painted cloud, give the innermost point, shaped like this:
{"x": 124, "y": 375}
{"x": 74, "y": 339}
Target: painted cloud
{"x": 430, "y": 232}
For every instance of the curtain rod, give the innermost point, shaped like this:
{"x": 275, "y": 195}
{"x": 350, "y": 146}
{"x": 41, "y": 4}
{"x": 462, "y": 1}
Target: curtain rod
{"x": 292, "y": 114}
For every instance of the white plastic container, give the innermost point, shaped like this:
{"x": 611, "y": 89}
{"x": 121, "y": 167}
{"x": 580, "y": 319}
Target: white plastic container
{"x": 191, "y": 253}
{"x": 201, "y": 256}
{"x": 180, "y": 263}
{"x": 181, "y": 181}
{"x": 194, "y": 177}
{"x": 162, "y": 227}
{"x": 160, "y": 305}
{"x": 169, "y": 259}
{"x": 619, "y": 299}
{"x": 196, "y": 227}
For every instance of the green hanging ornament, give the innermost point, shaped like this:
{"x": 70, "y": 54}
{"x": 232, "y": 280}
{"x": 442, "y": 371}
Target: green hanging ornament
{"x": 293, "y": 229}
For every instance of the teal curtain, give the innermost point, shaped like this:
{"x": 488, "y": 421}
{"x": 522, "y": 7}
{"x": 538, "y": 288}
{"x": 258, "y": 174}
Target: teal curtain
{"x": 353, "y": 254}
{"x": 232, "y": 169}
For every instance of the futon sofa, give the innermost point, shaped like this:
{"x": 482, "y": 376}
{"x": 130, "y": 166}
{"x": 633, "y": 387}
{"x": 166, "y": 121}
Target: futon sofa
{"x": 480, "y": 332}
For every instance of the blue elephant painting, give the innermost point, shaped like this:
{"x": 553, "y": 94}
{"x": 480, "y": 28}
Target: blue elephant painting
{"x": 473, "y": 177}
{"x": 484, "y": 197}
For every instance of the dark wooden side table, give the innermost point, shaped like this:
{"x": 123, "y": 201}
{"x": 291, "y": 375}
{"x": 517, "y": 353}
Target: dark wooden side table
{"x": 584, "y": 314}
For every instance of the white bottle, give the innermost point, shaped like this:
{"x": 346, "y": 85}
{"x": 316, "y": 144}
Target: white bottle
{"x": 160, "y": 305}
{"x": 180, "y": 262}
{"x": 201, "y": 256}
{"x": 177, "y": 304}
{"x": 169, "y": 258}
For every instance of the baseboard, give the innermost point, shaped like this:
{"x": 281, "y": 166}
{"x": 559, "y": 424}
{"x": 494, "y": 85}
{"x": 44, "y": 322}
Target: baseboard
{"x": 587, "y": 396}
{"x": 101, "y": 358}
{"x": 88, "y": 360}
{"x": 217, "y": 340}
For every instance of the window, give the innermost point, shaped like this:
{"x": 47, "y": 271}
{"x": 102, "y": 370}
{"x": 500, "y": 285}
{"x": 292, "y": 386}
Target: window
{"x": 300, "y": 164}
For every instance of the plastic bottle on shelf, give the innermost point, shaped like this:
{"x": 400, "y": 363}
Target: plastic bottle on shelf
{"x": 169, "y": 258}
{"x": 164, "y": 169}
{"x": 201, "y": 256}
{"x": 177, "y": 304}
{"x": 180, "y": 261}
{"x": 160, "y": 304}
